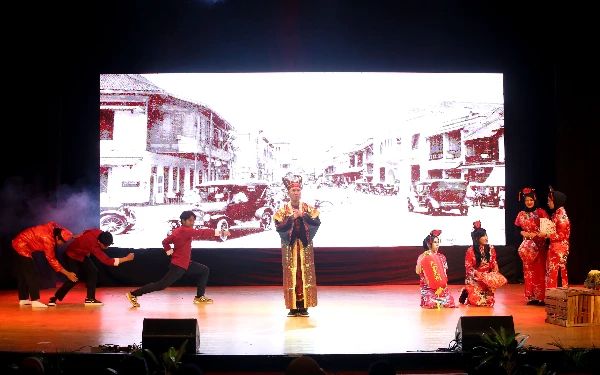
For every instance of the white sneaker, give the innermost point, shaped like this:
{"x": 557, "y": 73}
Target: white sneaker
{"x": 38, "y": 304}
{"x": 24, "y": 302}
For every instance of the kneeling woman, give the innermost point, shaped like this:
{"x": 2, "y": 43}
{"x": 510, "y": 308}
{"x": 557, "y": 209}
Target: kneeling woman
{"x": 481, "y": 267}
{"x": 431, "y": 268}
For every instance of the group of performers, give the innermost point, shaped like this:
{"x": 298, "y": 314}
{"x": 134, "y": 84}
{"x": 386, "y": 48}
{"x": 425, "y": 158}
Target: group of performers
{"x": 45, "y": 238}
{"x": 482, "y": 274}
{"x": 544, "y": 251}
{"x": 297, "y": 224}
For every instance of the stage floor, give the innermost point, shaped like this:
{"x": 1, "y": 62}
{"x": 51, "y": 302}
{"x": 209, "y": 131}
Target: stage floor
{"x": 252, "y": 321}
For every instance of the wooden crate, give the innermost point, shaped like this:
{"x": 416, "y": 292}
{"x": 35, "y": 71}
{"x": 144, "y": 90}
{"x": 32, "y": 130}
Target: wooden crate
{"x": 572, "y": 307}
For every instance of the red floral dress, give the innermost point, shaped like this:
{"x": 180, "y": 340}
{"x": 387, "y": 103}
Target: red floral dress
{"x": 429, "y": 298}
{"x": 558, "y": 251}
{"x": 479, "y": 293}
{"x": 533, "y": 253}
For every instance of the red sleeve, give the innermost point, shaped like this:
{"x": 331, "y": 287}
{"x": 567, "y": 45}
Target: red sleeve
{"x": 493, "y": 259}
{"x": 166, "y": 243}
{"x": 563, "y": 227}
{"x": 518, "y": 220}
{"x": 420, "y": 258}
{"x": 204, "y": 232}
{"x": 51, "y": 256}
{"x": 101, "y": 255}
{"x": 49, "y": 246}
{"x": 470, "y": 262}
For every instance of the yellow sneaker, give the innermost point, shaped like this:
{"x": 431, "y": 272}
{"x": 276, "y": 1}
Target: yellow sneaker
{"x": 202, "y": 299}
{"x": 132, "y": 299}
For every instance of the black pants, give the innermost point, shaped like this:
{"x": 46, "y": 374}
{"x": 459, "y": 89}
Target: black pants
{"x": 28, "y": 278}
{"x": 175, "y": 273}
{"x": 92, "y": 277}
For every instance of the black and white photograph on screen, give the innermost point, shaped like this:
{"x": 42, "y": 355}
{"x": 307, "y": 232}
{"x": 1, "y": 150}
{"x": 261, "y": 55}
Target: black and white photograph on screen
{"x": 381, "y": 155}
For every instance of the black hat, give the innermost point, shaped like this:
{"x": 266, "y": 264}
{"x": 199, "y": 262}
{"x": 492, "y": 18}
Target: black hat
{"x": 557, "y": 197}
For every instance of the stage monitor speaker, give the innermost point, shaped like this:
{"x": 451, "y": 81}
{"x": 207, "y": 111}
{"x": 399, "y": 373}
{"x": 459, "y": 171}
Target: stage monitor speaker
{"x": 470, "y": 328}
{"x": 158, "y": 335}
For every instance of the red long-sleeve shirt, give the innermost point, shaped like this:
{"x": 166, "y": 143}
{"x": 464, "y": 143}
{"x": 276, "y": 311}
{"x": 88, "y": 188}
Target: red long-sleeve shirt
{"x": 39, "y": 238}
{"x": 86, "y": 244}
{"x": 181, "y": 239}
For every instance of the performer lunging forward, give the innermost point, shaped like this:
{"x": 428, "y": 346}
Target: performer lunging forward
{"x": 297, "y": 223}
{"x": 91, "y": 241}
{"x": 181, "y": 260}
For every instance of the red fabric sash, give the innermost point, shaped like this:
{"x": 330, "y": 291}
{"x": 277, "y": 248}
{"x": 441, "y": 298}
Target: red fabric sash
{"x": 433, "y": 269}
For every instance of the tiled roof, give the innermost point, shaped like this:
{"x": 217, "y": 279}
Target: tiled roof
{"x": 128, "y": 83}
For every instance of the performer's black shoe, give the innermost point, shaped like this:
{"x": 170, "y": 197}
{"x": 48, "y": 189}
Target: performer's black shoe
{"x": 93, "y": 302}
{"x": 541, "y": 303}
{"x": 463, "y": 296}
{"x": 52, "y": 301}
{"x": 303, "y": 312}
{"x": 293, "y": 312}
{"x": 532, "y": 302}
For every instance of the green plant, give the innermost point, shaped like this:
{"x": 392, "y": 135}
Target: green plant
{"x": 167, "y": 363}
{"x": 172, "y": 358}
{"x": 592, "y": 280}
{"x": 574, "y": 359}
{"x": 501, "y": 349}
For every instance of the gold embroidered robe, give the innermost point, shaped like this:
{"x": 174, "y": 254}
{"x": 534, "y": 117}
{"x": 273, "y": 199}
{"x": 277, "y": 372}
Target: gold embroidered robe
{"x": 297, "y": 254}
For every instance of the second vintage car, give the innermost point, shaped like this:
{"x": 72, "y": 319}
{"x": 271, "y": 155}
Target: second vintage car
{"x": 435, "y": 196}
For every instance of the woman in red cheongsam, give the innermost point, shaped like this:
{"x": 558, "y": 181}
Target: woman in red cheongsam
{"x": 533, "y": 248}
{"x": 479, "y": 260}
{"x": 558, "y": 251}
{"x": 434, "y": 297}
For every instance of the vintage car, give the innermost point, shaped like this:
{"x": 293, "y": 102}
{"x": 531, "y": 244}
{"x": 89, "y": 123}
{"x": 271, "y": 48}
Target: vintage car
{"x": 117, "y": 220}
{"x": 435, "y": 196}
{"x": 232, "y": 203}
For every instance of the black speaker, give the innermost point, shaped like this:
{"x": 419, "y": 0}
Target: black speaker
{"x": 158, "y": 335}
{"x": 470, "y": 328}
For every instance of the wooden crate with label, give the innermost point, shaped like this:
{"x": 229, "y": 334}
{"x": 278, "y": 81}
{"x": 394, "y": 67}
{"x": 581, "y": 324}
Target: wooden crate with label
{"x": 572, "y": 307}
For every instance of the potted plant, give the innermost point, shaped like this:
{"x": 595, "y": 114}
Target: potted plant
{"x": 167, "y": 363}
{"x": 500, "y": 352}
{"x": 505, "y": 354}
{"x": 576, "y": 360}
{"x": 592, "y": 281}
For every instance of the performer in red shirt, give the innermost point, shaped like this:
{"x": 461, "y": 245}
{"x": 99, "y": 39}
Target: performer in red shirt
{"x": 44, "y": 238}
{"x": 558, "y": 251}
{"x": 181, "y": 259}
{"x": 91, "y": 241}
